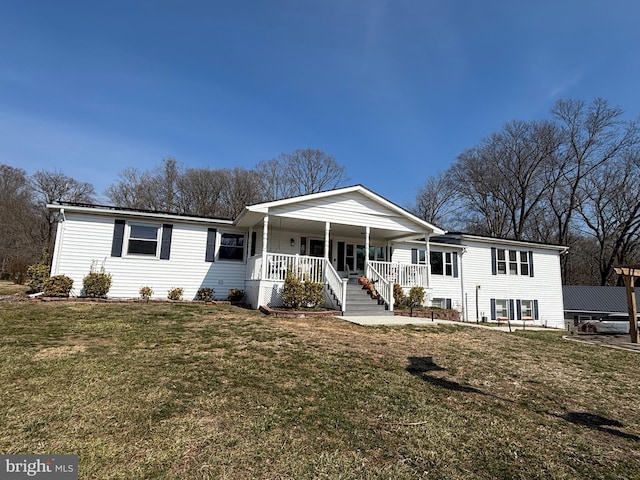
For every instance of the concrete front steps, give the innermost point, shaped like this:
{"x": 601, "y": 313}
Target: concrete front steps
{"x": 360, "y": 303}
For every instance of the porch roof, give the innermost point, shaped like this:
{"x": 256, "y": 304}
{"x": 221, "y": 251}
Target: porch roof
{"x": 349, "y": 210}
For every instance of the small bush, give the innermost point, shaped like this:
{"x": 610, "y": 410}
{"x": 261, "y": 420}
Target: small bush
{"x": 205, "y": 294}
{"x": 96, "y": 285}
{"x": 235, "y": 295}
{"x": 312, "y": 294}
{"x": 416, "y": 296}
{"x": 175, "y": 293}
{"x": 398, "y": 294}
{"x": 37, "y": 274}
{"x": 293, "y": 291}
{"x": 17, "y": 270}
{"x": 145, "y": 293}
{"x": 57, "y": 286}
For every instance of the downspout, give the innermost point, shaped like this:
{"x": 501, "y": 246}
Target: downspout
{"x": 462, "y": 296}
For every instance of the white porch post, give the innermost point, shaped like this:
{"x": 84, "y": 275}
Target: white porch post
{"x": 366, "y": 247}
{"x": 265, "y": 237}
{"x": 428, "y": 259}
{"x": 327, "y": 229}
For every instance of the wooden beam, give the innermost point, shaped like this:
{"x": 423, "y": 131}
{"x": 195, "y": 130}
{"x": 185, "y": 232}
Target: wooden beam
{"x": 629, "y": 273}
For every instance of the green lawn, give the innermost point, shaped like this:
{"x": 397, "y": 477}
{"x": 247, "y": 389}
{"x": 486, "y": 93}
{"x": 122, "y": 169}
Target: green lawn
{"x": 191, "y": 391}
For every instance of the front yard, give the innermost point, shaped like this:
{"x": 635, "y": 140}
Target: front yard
{"x": 192, "y": 391}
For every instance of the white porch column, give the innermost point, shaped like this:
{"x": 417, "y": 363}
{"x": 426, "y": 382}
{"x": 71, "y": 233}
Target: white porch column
{"x": 428, "y": 259}
{"x": 366, "y": 246}
{"x": 327, "y": 229}
{"x": 265, "y": 237}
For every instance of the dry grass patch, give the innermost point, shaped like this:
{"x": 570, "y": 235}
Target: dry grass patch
{"x": 194, "y": 391}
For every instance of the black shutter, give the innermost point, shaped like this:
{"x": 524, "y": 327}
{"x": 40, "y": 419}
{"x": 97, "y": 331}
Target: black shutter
{"x": 493, "y": 309}
{"x": 254, "y": 238}
{"x": 118, "y": 238}
{"x": 447, "y": 303}
{"x": 519, "y": 309}
{"x": 530, "y": 263}
{"x": 511, "y": 312}
{"x": 414, "y": 256}
{"x": 535, "y": 310}
{"x": 455, "y": 264}
{"x": 211, "y": 245}
{"x": 165, "y": 246}
{"x": 494, "y": 261}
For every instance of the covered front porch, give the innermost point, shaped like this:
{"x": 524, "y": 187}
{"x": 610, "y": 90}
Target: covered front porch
{"x": 333, "y": 238}
{"x": 266, "y": 275}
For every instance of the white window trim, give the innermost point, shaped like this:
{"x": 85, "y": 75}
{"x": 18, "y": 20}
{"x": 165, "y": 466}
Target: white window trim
{"x": 219, "y": 246}
{"x": 127, "y": 237}
{"x": 506, "y": 309}
{"x": 526, "y": 317}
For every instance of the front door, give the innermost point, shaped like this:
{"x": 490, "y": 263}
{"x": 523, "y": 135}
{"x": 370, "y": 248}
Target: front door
{"x": 351, "y": 258}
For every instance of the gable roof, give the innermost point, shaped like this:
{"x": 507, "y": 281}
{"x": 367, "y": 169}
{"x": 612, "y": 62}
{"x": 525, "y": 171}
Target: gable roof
{"x": 328, "y": 195}
{"x": 586, "y": 298}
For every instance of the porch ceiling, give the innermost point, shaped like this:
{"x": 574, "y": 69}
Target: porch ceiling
{"x": 313, "y": 228}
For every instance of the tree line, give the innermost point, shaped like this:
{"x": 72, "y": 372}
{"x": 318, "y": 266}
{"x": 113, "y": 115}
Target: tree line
{"x": 571, "y": 179}
{"x": 28, "y": 233}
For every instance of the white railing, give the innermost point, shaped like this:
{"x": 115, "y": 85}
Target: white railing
{"x": 306, "y": 268}
{"x": 336, "y": 283}
{"x": 405, "y": 275}
{"x": 383, "y": 286}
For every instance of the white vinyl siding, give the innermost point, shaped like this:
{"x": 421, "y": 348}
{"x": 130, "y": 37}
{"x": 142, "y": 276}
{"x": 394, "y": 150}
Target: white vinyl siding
{"x": 88, "y": 238}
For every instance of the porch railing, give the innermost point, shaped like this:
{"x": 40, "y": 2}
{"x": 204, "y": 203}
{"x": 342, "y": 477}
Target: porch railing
{"x": 337, "y": 284}
{"x": 383, "y": 286}
{"x": 405, "y": 275}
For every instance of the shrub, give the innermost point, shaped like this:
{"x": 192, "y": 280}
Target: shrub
{"x": 175, "y": 293}
{"x": 416, "y": 296}
{"x": 57, "y": 286}
{"x": 96, "y": 284}
{"x": 235, "y": 295}
{"x": 293, "y": 291}
{"x": 312, "y": 294}
{"x": 145, "y": 293}
{"x": 37, "y": 274}
{"x": 17, "y": 270}
{"x": 398, "y": 294}
{"x": 205, "y": 294}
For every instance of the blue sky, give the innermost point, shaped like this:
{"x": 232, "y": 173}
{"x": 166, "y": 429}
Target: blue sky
{"x": 393, "y": 89}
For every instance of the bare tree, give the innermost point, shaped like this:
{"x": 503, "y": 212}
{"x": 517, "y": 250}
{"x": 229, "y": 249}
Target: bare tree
{"x": 19, "y": 240}
{"x": 150, "y": 190}
{"x": 51, "y": 187}
{"x": 592, "y": 135}
{"x": 610, "y": 212}
{"x": 241, "y": 187}
{"x": 200, "y": 192}
{"x": 437, "y": 201}
{"x": 301, "y": 172}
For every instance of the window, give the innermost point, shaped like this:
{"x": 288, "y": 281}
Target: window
{"x": 524, "y": 263}
{"x": 376, "y": 253}
{"x": 448, "y": 264}
{"x": 502, "y": 308}
{"x": 526, "y": 309}
{"x": 439, "y": 302}
{"x": 143, "y": 240}
{"x": 513, "y": 262}
{"x": 231, "y": 246}
{"x": 502, "y": 262}
{"x": 437, "y": 265}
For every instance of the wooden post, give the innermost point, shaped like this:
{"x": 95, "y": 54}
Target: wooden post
{"x": 629, "y": 274}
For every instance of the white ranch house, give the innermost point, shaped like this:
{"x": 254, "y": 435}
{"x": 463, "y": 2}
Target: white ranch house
{"x": 331, "y": 237}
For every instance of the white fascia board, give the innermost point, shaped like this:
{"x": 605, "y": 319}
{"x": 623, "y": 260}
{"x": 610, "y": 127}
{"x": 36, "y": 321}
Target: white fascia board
{"x": 115, "y": 212}
{"x": 516, "y": 243}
